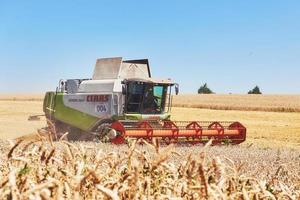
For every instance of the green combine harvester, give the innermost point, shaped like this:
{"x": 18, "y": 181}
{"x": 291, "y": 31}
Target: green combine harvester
{"x": 122, "y": 101}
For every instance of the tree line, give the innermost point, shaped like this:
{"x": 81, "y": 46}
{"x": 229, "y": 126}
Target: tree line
{"x": 204, "y": 89}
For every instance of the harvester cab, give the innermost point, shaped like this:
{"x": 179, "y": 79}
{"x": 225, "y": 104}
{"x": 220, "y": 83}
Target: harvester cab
{"x": 122, "y": 100}
{"x": 148, "y": 96}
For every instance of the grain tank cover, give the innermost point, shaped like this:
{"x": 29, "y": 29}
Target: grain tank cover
{"x": 117, "y": 68}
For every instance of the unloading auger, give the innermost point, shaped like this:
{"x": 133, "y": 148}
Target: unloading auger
{"x": 122, "y": 101}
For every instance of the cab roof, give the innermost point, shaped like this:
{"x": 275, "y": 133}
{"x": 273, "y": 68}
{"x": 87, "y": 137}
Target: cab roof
{"x": 151, "y": 80}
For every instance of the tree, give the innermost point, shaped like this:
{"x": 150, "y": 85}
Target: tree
{"x": 204, "y": 89}
{"x": 255, "y": 90}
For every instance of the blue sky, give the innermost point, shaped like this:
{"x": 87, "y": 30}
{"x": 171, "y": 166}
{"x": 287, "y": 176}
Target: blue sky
{"x": 231, "y": 45}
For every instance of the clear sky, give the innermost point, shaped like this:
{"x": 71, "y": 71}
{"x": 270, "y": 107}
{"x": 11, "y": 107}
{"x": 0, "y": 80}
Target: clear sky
{"x": 231, "y": 45}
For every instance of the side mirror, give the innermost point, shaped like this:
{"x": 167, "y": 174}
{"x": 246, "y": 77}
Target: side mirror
{"x": 124, "y": 89}
{"x": 176, "y": 89}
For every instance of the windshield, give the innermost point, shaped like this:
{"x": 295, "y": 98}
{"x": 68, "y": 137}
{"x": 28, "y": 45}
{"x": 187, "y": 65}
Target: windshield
{"x": 146, "y": 98}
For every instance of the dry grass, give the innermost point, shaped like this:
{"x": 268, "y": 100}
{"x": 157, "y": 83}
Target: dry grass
{"x": 63, "y": 170}
{"x": 272, "y": 103}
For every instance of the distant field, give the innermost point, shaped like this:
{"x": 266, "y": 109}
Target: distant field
{"x": 14, "y": 115}
{"x": 21, "y": 97}
{"x": 271, "y": 103}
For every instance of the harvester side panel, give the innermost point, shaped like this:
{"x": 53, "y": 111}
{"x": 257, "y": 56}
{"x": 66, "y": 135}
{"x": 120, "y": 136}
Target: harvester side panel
{"x": 97, "y": 105}
{"x": 71, "y": 116}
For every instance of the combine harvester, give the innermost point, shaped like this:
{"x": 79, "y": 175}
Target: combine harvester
{"x": 122, "y": 101}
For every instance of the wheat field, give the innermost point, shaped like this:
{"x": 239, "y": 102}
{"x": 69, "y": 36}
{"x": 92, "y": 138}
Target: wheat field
{"x": 266, "y": 166}
{"x": 63, "y": 170}
{"x": 271, "y": 103}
